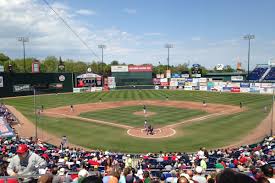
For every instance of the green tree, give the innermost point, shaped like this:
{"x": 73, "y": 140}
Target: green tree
{"x": 3, "y": 59}
{"x": 50, "y": 64}
{"x": 114, "y": 62}
{"x": 80, "y": 67}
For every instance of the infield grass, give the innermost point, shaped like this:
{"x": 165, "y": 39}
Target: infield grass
{"x": 124, "y": 115}
{"x": 211, "y": 133}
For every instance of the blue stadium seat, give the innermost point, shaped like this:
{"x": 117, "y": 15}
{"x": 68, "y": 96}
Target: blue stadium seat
{"x": 257, "y": 73}
{"x": 270, "y": 75}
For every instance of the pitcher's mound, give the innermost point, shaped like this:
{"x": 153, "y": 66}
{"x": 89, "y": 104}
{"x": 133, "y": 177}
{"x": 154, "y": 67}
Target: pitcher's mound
{"x": 157, "y": 133}
{"x": 141, "y": 113}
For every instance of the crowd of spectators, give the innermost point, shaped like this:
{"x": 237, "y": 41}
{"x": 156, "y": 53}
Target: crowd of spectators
{"x": 8, "y": 116}
{"x": 25, "y": 157}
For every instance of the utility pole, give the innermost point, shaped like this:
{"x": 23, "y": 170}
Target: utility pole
{"x": 248, "y": 37}
{"x": 24, "y": 40}
{"x": 102, "y": 46}
{"x": 168, "y": 46}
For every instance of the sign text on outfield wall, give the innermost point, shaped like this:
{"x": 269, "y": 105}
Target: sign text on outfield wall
{"x": 140, "y": 68}
{"x": 119, "y": 68}
{"x": 21, "y": 88}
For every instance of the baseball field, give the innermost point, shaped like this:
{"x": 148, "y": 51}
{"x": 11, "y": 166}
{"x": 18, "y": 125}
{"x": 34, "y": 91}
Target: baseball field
{"x": 180, "y": 120}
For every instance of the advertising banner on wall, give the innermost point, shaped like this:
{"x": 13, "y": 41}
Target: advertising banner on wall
{"x": 175, "y": 75}
{"x": 203, "y": 88}
{"x": 266, "y": 90}
{"x": 244, "y": 90}
{"x": 119, "y": 68}
{"x": 173, "y": 83}
{"x": 188, "y": 87}
{"x": 5, "y": 130}
{"x": 140, "y": 68}
{"x": 163, "y": 80}
{"x": 187, "y": 84}
{"x": 164, "y": 84}
{"x": 202, "y": 80}
{"x": 244, "y": 85}
{"x": 156, "y": 81}
{"x": 1, "y": 81}
{"x": 235, "y": 84}
{"x": 226, "y": 89}
{"x": 266, "y": 85}
{"x": 255, "y": 89}
{"x": 236, "y": 78}
{"x": 185, "y": 75}
{"x": 235, "y": 89}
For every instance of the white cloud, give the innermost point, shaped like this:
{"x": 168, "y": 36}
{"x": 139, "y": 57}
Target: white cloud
{"x": 152, "y": 34}
{"x": 196, "y": 38}
{"x": 130, "y": 11}
{"x": 85, "y": 12}
{"x": 49, "y": 36}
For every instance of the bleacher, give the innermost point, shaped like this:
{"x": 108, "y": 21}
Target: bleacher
{"x": 257, "y": 73}
{"x": 271, "y": 75}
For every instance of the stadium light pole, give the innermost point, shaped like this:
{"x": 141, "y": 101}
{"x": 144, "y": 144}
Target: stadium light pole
{"x": 168, "y": 46}
{"x": 248, "y": 37}
{"x": 102, "y": 47}
{"x": 271, "y": 125}
{"x": 35, "y": 112}
{"x": 24, "y": 40}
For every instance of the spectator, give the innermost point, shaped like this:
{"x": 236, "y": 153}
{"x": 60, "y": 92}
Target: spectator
{"x": 25, "y": 162}
{"x": 268, "y": 173}
{"x": 173, "y": 178}
{"x": 146, "y": 176}
{"x": 198, "y": 175}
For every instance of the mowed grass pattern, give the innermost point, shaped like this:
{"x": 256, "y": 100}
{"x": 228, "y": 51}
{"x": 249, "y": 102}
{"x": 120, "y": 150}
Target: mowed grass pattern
{"x": 211, "y": 133}
{"x": 124, "y": 115}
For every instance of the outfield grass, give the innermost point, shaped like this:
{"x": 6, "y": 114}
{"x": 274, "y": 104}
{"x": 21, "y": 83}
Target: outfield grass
{"x": 124, "y": 115}
{"x": 210, "y": 133}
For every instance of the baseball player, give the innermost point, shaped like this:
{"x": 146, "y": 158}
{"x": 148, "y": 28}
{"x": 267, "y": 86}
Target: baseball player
{"x": 42, "y": 108}
{"x": 166, "y": 97}
{"x": 72, "y": 108}
{"x": 241, "y": 104}
{"x": 100, "y": 99}
{"x": 204, "y": 103}
{"x": 144, "y": 109}
{"x": 145, "y": 124}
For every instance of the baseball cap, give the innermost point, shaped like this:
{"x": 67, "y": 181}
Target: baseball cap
{"x": 198, "y": 169}
{"x": 22, "y": 148}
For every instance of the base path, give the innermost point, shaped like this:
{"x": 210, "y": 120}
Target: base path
{"x": 214, "y": 110}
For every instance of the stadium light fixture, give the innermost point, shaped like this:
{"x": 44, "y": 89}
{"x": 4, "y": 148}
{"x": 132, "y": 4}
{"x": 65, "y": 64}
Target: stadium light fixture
{"x": 23, "y": 40}
{"x": 248, "y": 37}
{"x": 168, "y": 46}
{"x": 102, "y": 47}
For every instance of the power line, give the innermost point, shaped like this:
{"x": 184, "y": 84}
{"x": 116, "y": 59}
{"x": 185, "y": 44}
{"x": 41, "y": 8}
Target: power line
{"x": 71, "y": 29}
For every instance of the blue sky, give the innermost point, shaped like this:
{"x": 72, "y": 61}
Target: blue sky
{"x": 208, "y": 32}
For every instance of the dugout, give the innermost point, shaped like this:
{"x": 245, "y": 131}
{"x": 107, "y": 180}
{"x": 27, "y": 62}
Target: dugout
{"x": 20, "y": 84}
{"x": 132, "y": 75}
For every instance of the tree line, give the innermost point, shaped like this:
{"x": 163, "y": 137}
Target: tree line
{"x": 50, "y": 64}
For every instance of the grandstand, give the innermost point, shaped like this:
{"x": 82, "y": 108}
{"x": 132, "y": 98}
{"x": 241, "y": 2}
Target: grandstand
{"x": 263, "y": 73}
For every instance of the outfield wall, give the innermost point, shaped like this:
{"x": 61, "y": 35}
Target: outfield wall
{"x": 19, "y": 84}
